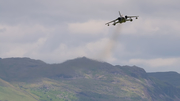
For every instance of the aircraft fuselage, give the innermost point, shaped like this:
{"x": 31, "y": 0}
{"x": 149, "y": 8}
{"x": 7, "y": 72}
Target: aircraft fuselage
{"x": 120, "y": 20}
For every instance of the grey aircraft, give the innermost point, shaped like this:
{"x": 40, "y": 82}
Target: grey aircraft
{"x": 122, "y": 19}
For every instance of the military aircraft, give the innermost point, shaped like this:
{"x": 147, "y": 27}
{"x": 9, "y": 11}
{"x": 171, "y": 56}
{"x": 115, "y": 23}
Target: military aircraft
{"x": 122, "y": 19}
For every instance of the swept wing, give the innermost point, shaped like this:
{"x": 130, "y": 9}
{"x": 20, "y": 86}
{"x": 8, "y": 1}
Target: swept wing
{"x": 111, "y": 22}
{"x": 132, "y": 17}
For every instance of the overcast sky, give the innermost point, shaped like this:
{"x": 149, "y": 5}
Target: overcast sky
{"x": 57, "y": 30}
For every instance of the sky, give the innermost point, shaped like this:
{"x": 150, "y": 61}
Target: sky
{"x": 58, "y": 30}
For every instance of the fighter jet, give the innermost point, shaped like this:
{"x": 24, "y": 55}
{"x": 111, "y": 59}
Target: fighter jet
{"x": 122, "y": 19}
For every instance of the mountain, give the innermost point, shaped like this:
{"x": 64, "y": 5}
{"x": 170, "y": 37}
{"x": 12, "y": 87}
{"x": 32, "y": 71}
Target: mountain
{"x": 81, "y": 79}
{"x": 171, "y": 77}
{"x": 21, "y": 69}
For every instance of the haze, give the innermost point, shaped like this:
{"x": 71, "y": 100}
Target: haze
{"x": 58, "y": 30}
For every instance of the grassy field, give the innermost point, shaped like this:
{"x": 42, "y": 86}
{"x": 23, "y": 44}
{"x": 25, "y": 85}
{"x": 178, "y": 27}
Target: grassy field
{"x": 10, "y": 94}
{"x": 53, "y": 95}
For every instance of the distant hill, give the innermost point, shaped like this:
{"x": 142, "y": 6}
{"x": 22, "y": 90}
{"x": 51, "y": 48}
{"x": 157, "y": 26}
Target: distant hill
{"x": 83, "y": 79}
{"x": 21, "y": 69}
{"x": 172, "y": 78}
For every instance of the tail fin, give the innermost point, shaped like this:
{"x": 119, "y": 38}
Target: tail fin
{"x": 120, "y": 14}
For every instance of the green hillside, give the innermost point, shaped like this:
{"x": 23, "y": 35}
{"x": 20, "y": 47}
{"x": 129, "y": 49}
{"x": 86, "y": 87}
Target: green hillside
{"x": 80, "y": 79}
{"x": 172, "y": 78}
{"x": 10, "y": 93}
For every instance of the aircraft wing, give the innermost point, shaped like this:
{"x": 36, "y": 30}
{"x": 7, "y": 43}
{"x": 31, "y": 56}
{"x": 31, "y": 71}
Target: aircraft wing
{"x": 111, "y": 22}
{"x": 132, "y": 17}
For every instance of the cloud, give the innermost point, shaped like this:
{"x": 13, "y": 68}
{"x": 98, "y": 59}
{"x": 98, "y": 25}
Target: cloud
{"x": 89, "y": 27}
{"x": 151, "y": 26}
{"x": 164, "y": 2}
{"x": 23, "y": 33}
{"x": 64, "y": 51}
{"x": 21, "y": 50}
{"x": 159, "y": 62}
{"x": 57, "y": 30}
